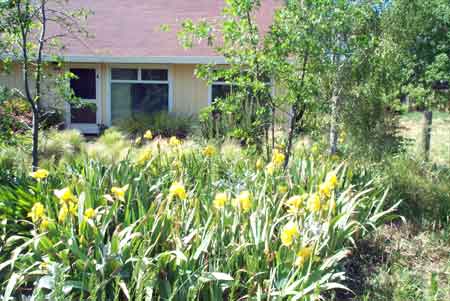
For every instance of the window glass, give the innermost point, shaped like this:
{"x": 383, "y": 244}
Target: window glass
{"x": 84, "y": 85}
{"x": 124, "y": 74}
{"x": 154, "y": 74}
{"x": 85, "y": 114}
{"x": 130, "y": 100}
{"x": 220, "y": 91}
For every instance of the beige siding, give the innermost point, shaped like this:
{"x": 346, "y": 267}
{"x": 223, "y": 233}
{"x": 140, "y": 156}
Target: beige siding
{"x": 190, "y": 94}
{"x": 10, "y": 78}
{"x": 13, "y": 79}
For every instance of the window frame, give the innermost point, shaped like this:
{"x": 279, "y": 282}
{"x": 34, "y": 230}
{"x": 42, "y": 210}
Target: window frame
{"x": 139, "y": 80}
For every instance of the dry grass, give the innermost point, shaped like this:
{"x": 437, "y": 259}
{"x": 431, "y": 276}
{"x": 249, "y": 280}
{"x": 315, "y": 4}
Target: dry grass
{"x": 402, "y": 262}
{"x": 440, "y": 135}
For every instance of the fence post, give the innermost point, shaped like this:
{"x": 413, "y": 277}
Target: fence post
{"x": 426, "y": 138}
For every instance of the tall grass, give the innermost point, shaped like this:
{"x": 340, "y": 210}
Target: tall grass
{"x": 188, "y": 222}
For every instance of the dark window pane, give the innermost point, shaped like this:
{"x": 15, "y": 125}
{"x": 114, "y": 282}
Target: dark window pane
{"x": 84, "y": 86}
{"x": 133, "y": 100}
{"x": 124, "y": 74}
{"x": 154, "y": 74}
{"x": 220, "y": 91}
{"x": 85, "y": 114}
{"x": 263, "y": 78}
{"x": 221, "y": 79}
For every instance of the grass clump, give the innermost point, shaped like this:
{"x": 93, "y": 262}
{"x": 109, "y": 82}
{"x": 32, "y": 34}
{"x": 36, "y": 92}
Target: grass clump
{"x": 113, "y": 146}
{"x": 57, "y": 145}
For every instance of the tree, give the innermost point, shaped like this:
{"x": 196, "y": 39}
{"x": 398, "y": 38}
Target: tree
{"x": 26, "y": 39}
{"x": 294, "y": 51}
{"x": 309, "y": 50}
{"x": 314, "y": 46}
{"x": 421, "y": 31}
{"x": 238, "y": 39}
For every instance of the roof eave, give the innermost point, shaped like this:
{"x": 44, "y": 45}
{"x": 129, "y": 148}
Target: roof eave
{"x": 145, "y": 60}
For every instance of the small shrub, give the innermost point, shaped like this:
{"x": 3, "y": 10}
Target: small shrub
{"x": 423, "y": 187}
{"x": 163, "y": 124}
{"x": 15, "y": 118}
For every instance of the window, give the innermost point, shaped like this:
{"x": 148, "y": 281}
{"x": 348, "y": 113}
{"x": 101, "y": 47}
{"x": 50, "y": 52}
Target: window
{"x": 136, "y": 92}
{"x": 220, "y": 89}
{"x": 84, "y": 87}
{"x": 124, "y": 74}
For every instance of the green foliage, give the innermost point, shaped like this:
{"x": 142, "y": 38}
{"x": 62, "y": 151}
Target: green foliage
{"x": 423, "y": 187}
{"x": 369, "y": 128}
{"x": 420, "y": 33}
{"x": 246, "y": 112}
{"x": 15, "y": 119}
{"x": 151, "y": 241}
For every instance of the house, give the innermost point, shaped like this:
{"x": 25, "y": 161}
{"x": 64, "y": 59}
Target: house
{"x": 131, "y": 65}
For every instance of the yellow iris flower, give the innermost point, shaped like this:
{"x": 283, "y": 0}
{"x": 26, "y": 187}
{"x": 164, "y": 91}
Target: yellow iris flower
{"x": 89, "y": 213}
{"x": 295, "y": 203}
{"x": 37, "y": 212}
{"x": 220, "y": 200}
{"x": 333, "y": 181}
{"x": 39, "y": 174}
{"x": 243, "y": 201}
{"x": 148, "y": 135}
{"x": 325, "y": 190}
{"x": 174, "y": 141}
{"x": 303, "y": 255}
{"x": 65, "y": 195}
{"x": 270, "y": 168}
{"x": 314, "y": 203}
{"x": 289, "y": 233}
{"x": 259, "y": 164}
{"x": 278, "y": 157}
{"x": 63, "y": 213}
{"x": 45, "y": 224}
{"x": 209, "y": 151}
{"x": 119, "y": 192}
{"x": 177, "y": 189}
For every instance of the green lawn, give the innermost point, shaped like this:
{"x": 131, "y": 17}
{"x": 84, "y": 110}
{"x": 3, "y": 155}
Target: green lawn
{"x": 440, "y": 136}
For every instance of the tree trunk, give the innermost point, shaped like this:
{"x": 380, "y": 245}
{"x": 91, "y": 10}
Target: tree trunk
{"x": 273, "y": 127}
{"x": 34, "y": 154}
{"x": 297, "y": 115}
{"x": 334, "y": 123}
{"x": 426, "y": 132}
